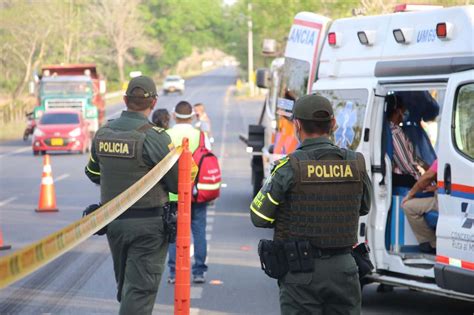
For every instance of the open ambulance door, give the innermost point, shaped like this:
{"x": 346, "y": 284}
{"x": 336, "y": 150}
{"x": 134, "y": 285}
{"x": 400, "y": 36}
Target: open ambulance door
{"x": 454, "y": 268}
{"x": 381, "y": 170}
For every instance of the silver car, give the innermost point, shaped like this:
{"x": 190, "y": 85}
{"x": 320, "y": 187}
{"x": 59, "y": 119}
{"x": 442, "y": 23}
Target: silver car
{"x": 173, "y": 83}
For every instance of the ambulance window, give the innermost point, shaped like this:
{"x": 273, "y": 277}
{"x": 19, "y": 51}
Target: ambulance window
{"x": 295, "y": 79}
{"x": 463, "y": 122}
{"x": 349, "y": 110}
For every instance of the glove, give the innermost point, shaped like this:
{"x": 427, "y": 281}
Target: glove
{"x": 91, "y": 208}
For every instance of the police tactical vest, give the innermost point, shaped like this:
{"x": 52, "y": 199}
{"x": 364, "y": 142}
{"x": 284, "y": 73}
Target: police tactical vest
{"x": 121, "y": 164}
{"x": 324, "y": 201}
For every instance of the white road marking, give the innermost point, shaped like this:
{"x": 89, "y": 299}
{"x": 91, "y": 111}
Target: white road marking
{"x": 15, "y": 152}
{"x": 209, "y": 228}
{"x": 212, "y": 212}
{"x": 210, "y": 220}
{"x": 7, "y": 201}
{"x": 224, "y": 125}
{"x": 224, "y": 185}
{"x": 59, "y": 178}
{"x": 208, "y": 237}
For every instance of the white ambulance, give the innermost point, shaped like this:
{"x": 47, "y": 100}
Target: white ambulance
{"x": 427, "y": 59}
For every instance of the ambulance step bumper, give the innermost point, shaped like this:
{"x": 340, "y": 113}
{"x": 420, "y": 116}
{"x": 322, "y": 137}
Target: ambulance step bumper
{"x": 420, "y": 286}
{"x": 454, "y": 278}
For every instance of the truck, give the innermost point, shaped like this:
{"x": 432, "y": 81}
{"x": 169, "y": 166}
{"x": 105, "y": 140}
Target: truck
{"x": 426, "y": 58}
{"x": 75, "y": 86}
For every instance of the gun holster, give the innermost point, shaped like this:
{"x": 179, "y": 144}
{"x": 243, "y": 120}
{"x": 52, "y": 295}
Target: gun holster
{"x": 170, "y": 220}
{"x": 362, "y": 259}
{"x": 91, "y": 208}
{"x": 272, "y": 258}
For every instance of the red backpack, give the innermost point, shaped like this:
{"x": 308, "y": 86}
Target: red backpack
{"x": 207, "y": 184}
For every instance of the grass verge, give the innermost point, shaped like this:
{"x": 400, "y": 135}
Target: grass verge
{"x": 12, "y": 130}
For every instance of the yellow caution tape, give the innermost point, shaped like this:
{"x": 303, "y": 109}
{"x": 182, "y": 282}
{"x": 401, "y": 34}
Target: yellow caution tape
{"x": 29, "y": 259}
{"x": 194, "y": 170}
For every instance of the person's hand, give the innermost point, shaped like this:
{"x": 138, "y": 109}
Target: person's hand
{"x": 406, "y": 198}
{"x": 431, "y": 188}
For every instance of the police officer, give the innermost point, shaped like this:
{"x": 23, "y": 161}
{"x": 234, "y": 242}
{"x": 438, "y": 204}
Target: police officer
{"x": 123, "y": 151}
{"x": 313, "y": 200}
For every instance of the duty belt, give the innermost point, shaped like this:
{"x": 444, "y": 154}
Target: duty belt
{"x": 321, "y": 252}
{"x": 137, "y": 213}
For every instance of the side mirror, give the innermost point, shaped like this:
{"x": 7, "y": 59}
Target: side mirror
{"x": 102, "y": 87}
{"x": 263, "y": 78}
{"x": 31, "y": 87}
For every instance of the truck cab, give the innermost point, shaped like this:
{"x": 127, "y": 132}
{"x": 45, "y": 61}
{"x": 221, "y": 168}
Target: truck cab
{"x": 426, "y": 59}
{"x": 68, "y": 92}
{"x": 75, "y": 86}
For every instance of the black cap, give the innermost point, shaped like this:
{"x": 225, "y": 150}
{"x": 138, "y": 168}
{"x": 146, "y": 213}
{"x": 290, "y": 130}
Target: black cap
{"x": 313, "y": 107}
{"x": 143, "y": 82}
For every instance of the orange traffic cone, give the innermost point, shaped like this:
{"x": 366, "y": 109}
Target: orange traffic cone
{"x": 47, "y": 198}
{"x": 2, "y": 245}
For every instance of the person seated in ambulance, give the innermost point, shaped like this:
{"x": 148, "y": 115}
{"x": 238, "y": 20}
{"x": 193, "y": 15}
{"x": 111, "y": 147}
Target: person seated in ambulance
{"x": 421, "y": 199}
{"x": 404, "y": 165}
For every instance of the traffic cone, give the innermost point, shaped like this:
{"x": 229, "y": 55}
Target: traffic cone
{"x": 47, "y": 198}
{"x": 2, "y": 245}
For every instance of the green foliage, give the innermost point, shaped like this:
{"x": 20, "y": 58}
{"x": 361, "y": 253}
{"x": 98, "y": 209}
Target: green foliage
{"x": 158, "y": 33}
{"x": 182, "y": 25}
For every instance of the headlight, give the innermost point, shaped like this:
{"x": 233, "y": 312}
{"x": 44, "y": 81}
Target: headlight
{"x": 75, "y": 132}
{"x": 38, "y": 132}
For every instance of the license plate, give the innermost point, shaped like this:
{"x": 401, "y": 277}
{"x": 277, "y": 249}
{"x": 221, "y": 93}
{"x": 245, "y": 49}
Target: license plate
{"x": 57, "y": 141}
{"x": 172, "y": 88}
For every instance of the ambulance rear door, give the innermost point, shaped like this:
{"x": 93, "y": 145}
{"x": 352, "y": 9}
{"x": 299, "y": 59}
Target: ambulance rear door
{"x": 454, "y": 268}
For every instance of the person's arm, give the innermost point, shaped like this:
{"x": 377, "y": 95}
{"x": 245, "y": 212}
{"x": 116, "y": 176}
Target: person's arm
{"x": 264, "y": 207}
{"x": 366, "y": 187}
{"x": 404, "y": 156}
{"x": 422, "y": 184}
{"x": 92, "y": 168}
{"x": 207, "y": 141}
{"x": 155, "y": 148}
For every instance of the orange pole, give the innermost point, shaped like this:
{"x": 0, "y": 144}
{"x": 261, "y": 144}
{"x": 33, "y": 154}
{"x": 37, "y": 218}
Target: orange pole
{"x": 182, "y": 288}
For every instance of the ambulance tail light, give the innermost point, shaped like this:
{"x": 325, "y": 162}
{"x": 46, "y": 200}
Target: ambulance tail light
{"x": 366, "y": 38}
{"x": 333, "y": 39}
{"x": 403, "y": 35}
{"x": 444, "y": 30}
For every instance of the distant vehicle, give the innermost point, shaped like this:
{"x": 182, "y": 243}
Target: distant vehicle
{"x": 30, "y": 126}
{"x": 173, "y": 83}
{"x": 76, "y": 86}
{"x": 61, "y": 130}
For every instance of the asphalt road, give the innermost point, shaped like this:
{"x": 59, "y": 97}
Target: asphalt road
{"x": 81, "y": 281}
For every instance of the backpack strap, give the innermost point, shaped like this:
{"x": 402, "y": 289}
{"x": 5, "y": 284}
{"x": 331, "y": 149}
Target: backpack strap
{"x": 202, "y": 140}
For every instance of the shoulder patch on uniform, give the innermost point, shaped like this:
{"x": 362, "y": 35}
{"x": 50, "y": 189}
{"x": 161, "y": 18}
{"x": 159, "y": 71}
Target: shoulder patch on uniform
{"x": 279, "y": 163}
{"x": 116, "y": 148}
{"x": 158, "y": 129}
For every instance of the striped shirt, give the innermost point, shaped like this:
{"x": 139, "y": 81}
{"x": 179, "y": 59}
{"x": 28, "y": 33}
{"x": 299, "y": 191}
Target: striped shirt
{"x": 403, "y": 154}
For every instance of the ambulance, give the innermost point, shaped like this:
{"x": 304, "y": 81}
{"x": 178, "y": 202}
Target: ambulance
{"x": 426, "y": 59}
{"x": 288, "y": 78}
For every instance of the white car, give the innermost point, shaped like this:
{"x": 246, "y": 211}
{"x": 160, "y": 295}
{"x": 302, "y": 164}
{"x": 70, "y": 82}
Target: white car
{"x": 173, "y": 83}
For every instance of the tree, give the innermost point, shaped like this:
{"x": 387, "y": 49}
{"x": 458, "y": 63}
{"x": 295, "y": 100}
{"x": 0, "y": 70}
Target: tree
{"x": 182, "y": 25}
{"x": 25, "y": 30}
{"x": 123, "y": 29}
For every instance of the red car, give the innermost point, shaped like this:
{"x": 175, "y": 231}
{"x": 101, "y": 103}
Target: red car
{"x": 61, "y": 130}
